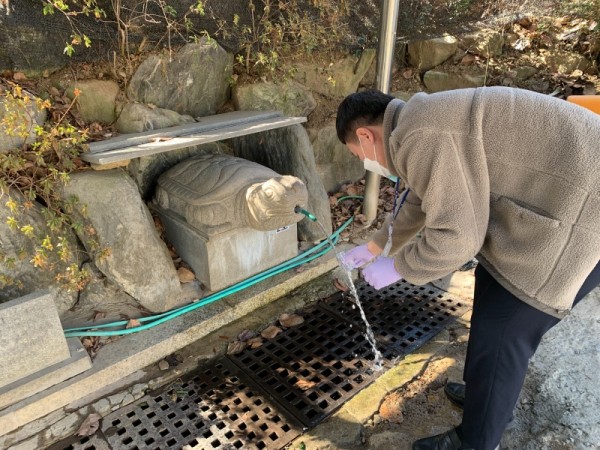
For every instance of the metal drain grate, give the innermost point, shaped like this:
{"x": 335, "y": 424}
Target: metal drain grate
{"x": 262, "y": 398}
{"x": 217, "y": 408}
{"x": 403, "y": 316}
{"x": 313, "y": 368}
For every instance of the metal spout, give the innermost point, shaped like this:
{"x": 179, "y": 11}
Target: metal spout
{"x": 300, "y": 210}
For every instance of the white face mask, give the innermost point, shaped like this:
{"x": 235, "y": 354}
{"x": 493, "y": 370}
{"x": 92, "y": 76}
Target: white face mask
{"x": 375, "y": 167}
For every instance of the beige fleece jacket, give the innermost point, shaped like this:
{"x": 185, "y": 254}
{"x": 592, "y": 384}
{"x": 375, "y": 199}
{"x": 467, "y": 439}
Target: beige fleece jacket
{"x": 507, "y": 175}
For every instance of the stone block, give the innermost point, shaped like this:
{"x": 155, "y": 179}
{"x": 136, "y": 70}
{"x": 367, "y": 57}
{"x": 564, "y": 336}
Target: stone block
{"x": 77, "y": 361}
{"x": 31, "y": 337}
{"x": 230, "y": 257}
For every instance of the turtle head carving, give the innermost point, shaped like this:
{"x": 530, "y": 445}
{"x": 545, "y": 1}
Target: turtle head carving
{"x": 271, "y": 204}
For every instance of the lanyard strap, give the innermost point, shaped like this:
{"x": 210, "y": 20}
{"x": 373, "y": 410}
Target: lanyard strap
{"x": 402, "y": 200}
{"x": 395, "y": 211}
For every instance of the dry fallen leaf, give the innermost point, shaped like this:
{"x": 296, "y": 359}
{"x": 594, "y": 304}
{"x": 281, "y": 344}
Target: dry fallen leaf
{"x": 391, "y": 408}
{"x": 340, "y": 285}
{"x": 132, "y": 323}
{"x": 90, "y": 425}
{"x": 185, "y": 275}
{"x": 163, "y": 365}
{"x": 88, "y": 343}
{"x": 53, "y": 91}
{"x": 246, "y": 335}
{"x": 270, "y": 332}
{"x": 352, "y": 190}
{"x": 255, "y": 342}
{"x": 235, "y": 347}
{"x": 407, "y": 74}
{"x": 19, "y": 76}
{"x": 361, "y": 218}
{"x": 305, "y": 384}
{"x": 468, "y": 59}
{"x": 99, "y": 315}
{"x": 290, "y": 320}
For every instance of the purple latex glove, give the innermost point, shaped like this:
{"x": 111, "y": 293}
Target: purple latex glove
{"x": 381, "y": 273}
{"x": 356, "y": 257}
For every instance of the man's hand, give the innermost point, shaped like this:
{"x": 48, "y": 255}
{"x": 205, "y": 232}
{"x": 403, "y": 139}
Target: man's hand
{"x": 356, "y": 257}
{"x": 381, "y": 273}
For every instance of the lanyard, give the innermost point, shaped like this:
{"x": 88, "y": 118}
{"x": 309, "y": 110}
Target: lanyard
{"x": 402, "y": 200}
{"x": 395, "y": 211}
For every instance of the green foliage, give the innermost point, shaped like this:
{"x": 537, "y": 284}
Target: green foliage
{"x": 283, "y": 28}
{"x": 276, "y": 28}
{"x": 71, "y": 9}
{"x": 460, "y": 7}
{"x": 37, "y": 172}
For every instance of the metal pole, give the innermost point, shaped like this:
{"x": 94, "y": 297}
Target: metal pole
{"x": 385, "y": 59}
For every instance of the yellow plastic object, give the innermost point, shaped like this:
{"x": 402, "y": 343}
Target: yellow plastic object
{"x": 591, "y": 102}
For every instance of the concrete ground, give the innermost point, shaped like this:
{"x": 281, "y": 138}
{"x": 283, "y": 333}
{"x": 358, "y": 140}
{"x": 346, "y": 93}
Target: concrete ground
{"x": 406, "y": 402}
{"x": 377, "y": 417}
{"x": 557, "y": 409}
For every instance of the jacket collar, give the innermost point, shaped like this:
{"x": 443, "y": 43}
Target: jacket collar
{"x": 390, "y": 121}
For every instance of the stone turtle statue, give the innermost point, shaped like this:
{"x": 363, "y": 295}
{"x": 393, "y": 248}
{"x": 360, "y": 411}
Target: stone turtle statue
{"x": 217, "y": 193}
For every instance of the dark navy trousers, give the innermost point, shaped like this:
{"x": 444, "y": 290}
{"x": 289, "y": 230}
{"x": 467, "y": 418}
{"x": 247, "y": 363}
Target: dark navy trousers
{"x": 505, "y": 333}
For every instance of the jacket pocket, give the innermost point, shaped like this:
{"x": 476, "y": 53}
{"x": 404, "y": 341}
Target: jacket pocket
{"x": 523, "y": 244}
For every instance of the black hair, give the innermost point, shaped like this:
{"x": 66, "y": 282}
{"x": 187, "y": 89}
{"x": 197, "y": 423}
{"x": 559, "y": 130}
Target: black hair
{"x": 360, "y": 109}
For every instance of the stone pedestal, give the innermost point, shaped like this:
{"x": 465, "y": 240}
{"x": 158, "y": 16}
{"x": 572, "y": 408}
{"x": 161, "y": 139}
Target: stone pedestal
{"x": 34, "y": 353}
{"x": 232, "y": 256}
{"x": 229, "y": 218}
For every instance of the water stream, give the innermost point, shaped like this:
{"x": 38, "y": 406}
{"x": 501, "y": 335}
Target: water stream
{"x": 378, "y": 357}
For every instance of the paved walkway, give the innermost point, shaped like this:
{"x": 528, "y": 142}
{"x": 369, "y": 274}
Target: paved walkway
{"x": 353, "y": 422}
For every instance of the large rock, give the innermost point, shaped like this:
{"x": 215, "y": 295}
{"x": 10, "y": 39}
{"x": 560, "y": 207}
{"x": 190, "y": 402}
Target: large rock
{"x": 565, "y": 62}
{"x": 338, "y": 79}
{"x": 335, "y": 164}
{"x": 18, "y": 276}
{"x": 137, "y": 117}
{"x": 194, "y": 82}
{"x": 25, "y": 115}
{"x": 138, "y": 260}
{"x": 523, "y": 73}
{"x": 288, "y": 97}
{"x": 486, "y": 43}
{"x": 288, "y": 152}
{"x": 429, "y": 53}
{"x": 559, "y": 402}
{"x": 436, "y": 81}
{"x": 96, "y": 101}
{"x": 146, "y": 170}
